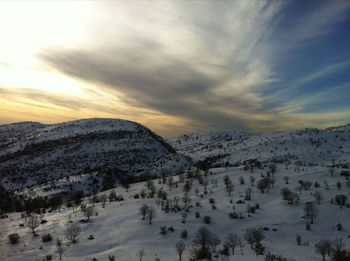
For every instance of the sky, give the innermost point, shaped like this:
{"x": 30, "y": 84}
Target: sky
{"x": 177, "y": 67}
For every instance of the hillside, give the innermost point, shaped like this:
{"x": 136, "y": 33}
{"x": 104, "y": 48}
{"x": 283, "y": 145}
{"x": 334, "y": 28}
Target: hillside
{"x": 102, "y": 149}
{"x": 304, "y": 147}
{"x": 118, "y": 229}
{"x": 292, "y": 187}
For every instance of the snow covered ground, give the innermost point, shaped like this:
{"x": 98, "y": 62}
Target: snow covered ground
{"x": 120, "y": 231}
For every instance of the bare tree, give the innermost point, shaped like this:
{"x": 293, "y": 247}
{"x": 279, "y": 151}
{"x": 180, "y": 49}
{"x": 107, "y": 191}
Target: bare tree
{"x": 103, "y": 198}
{"x": 150, "y": 214}
{"x": 248, "y": 193}
{"x": 241, "y": 245}
{"x": 59, "y": 248}
{"x": 72, "y": 232}
{"x": 33, "y": 223}
{"x": 227, "y": 180}
{"x": 182, "y": 178}
{"x": 214, "y": 241}
{"x": 252, "y": 180}
{"x": 232, "y": 241}
{"x": 143, "y": 210}
{"x": 202, "y": 239}
{"x": 170, "y": 182}
{"x": 88, "y": 212}
{"x": 318, "y": 197}
{"x": 323, "y": 247}
{"x": 184, "y": 216}
{"x": 254, "y": 236}
{"x": 338, "y": 249}
{"x": 180, "y": 248}
{"x": 311, "y": 211}
{"x": 141, "y": 253}
{"x": 229, "y": 188}
{"x": 186, "y": 200}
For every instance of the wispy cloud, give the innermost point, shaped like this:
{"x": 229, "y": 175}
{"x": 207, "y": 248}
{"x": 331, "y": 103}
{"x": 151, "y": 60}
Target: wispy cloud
{"x": 327, "y": 70}
{"x": 207, "y": 65}
{"x": 208, "y": 68}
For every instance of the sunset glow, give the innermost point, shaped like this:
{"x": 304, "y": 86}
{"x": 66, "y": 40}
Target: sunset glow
{"x": 177, "y": 66}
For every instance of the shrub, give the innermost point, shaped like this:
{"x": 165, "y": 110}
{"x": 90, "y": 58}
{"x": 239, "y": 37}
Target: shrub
{"x": 307, "y": 226}
{"x": 341, "y": 199}
{"x": 299, "y": 239}
{"x": 46, "y": 238}
{"x": 339, "y": 227}
{"x": 73, "y": 232}
{"x": 254, "y": 236}
{"x": 184, "y": 234}
{"x": 13, "y": 238}
{"x": 271, "y": 257}
{"x": 163, "y": 230}
{"x": 207, "y": 219}
{"x": 233, "y": 215}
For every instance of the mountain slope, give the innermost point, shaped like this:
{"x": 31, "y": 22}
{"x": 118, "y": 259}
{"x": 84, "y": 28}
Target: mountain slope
{"x": 309, "y": 146}
{"x": 103, "y": 146}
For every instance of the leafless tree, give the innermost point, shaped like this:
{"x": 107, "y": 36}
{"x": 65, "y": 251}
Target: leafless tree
{"x": 229, "y": 188}
{"x": 103, "y": 199}
{"x": 59, "y": 248}
{"x": 170, "y": 182}
{"x": 33, "y": 223}
{"x": 338, "y": 249}
{"x": 248, "y": 194}
{"x": 182, "y": 178}
{"x": 186, "y": 200}
{"x": 72, "y": 232}
{"x": 180, "y": 248}
{"x": 241, "y": 245}
{"x": 141, "y": 253}
{"x": 89, "y": 211}
{"x": 143, "y": 210}
{"x": 254, "y": 236}
{"x": 214, "y": 241}
{"x": 202, "y": 237}
{"x": 184, "y": 216}
{"x": 311, "y": 211}
{"x": 318, "y": 197}
{"x": 323, "y": 247}
{"x": 150, "y": 214}
{"x": 252, "y": 180}
{"x": 232, "y": 241}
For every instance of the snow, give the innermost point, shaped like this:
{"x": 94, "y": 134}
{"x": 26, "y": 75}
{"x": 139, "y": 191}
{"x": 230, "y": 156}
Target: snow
{"x": 119, "y": 230}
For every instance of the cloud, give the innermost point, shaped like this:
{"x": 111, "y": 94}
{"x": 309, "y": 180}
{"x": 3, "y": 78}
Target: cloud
{"x": 188, "y": 65}
{"x": 322, "y": 20}
{"x": 202, "y": 62}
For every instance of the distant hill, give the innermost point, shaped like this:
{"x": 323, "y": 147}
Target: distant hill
{"x": 329, "y": 147}
{"x": 94, "y": 151}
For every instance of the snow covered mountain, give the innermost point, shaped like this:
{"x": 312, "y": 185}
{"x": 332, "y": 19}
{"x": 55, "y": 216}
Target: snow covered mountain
{"x": 292, "y": 188}
{"x": 104, "y": 149}
{"x": 304, "y": 147}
